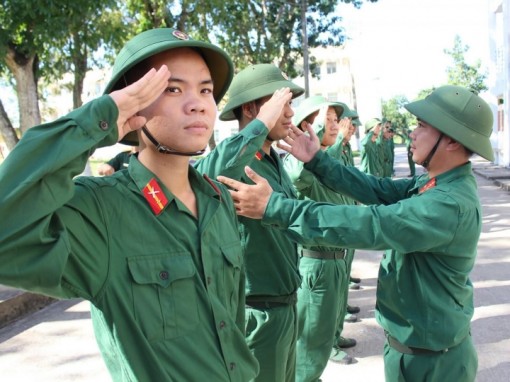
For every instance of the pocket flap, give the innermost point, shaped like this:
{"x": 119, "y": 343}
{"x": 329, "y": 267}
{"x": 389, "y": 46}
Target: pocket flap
{"x": 160, "y": 270}
{"x": 234, "y": 254}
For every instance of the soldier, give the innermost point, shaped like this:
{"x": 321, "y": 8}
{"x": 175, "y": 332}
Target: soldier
{"x": 271, "y": 257}
{"x": 323, "y": 269}
{"x": 154, "y": 247}
{"x": 388, "y": 149}
{"x": 118, "y": 162}
{"x": 408, "y": 141}
{"x": 370, "y": 148}
{"x": 431, "y": 223}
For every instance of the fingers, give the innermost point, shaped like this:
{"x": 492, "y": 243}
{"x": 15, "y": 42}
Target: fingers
{"x": 253, "y": 175}
{"x": 151, "y": 85}
{"x": 229, "y": 182}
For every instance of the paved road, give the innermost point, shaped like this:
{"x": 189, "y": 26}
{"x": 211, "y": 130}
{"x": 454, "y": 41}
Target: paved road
{"x": 57, "y": 343}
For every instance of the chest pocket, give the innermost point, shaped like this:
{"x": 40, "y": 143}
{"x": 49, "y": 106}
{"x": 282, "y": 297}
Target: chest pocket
{"x": 164, "y": 295}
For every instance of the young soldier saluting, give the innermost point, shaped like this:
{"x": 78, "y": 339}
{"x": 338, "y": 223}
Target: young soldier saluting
{"x": 154, "y": 247}
{"x": 272, "y": 275}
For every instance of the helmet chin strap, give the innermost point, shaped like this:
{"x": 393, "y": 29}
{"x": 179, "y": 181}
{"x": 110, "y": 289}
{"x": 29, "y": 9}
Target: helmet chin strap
{"x": 167, "y": 150}
{"x": 427, "y": 160}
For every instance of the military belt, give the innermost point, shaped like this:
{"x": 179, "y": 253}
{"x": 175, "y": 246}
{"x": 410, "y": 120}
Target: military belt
{"x": 269, "y": 302}
{"x": 401, "y": 348}
{"x": 326, "y": 255}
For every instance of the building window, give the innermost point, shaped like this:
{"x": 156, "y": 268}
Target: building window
{"x": 331, "y": 67}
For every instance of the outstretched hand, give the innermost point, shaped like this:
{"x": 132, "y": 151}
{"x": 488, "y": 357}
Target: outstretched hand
{"x": 249, "y": 200}
{"x": 302, "y": 146}
{"x": 137, "y": 96}
{"x": 271, "y": 110}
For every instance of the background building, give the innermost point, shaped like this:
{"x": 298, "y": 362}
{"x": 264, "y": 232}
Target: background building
{"x": 499, "y": 78}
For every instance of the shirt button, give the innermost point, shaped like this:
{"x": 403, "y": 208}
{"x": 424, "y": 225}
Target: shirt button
{"x": 222, "y": 324}
{"x": 103, "y": 125}
{"x": 208, "y": 280}
{"x": 163, "y": 275}
{"x": 384, "y": 256}
{"x": 232, "y": 365}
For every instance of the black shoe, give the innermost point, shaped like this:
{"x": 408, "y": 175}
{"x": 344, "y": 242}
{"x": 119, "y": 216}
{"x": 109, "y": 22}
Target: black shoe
{"x": 346, "y": 343}
{"x": 352, "y": 309}
{"x": 356, "y": 280}
{"x": 354, "y": 286}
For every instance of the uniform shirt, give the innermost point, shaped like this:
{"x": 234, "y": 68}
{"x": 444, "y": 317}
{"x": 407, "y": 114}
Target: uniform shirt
{"x": 424, "y": 294}
{"x": 370, "y": 155}
{"x": 167, "y": 288}
{"x": 308, "y": 187}
{"x": 120, "y": 161}
{"x": 271, "y": 256}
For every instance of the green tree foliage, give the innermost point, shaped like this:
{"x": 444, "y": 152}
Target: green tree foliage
{"x": 52, "y": 37}
{"x": 48, "y": 39}
{"x": 393, "y": 110}
{"x": 251, "y": 31}
{"x": 463, "y": 74}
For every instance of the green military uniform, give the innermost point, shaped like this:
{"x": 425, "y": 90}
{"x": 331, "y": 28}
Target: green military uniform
{"x": 272, "y": 274}
{"x": 343, "y": 152}
{"x": 412, "y": 166}
{"x": 388, "y": 148}
{"x": 424, "y": 294}
{"x": 323, "y": 268}
{"x": 370, "y": 151}
{"x": 161, "y": 287}
{"x": 410, "y": 305}
{"x": 120, "y": 161}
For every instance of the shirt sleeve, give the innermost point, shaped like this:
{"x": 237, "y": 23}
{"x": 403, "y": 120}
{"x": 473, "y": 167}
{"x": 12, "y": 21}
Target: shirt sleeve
{"x": 42, "y": 246}
{"x": 356, "y": 184}
{"x": 231, "y": 156}
{"x": 416, "y": 224}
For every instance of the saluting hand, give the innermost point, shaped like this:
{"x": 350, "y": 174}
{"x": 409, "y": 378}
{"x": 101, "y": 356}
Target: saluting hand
{"x": 271, "y": 110}
{"x": 302, "y": 146}
{"x": 137, "y": 96}
{"x": 249, "y": 200}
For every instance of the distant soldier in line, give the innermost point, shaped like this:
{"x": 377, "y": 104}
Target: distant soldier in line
{"x": 370, "y": 148}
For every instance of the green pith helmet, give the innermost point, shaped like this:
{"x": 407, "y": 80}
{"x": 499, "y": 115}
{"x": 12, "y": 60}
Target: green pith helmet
{"x": 459, "y": 114}
{"x": 312, "y": 104}
{"x": 371, "y": 123}
{"x": 255, "y": 82}
{"x": 151, "y": 42}
{"x": 348, "y": 113}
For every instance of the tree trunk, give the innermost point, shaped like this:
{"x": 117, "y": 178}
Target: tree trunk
{"x": 79, "y": 56}
{"x": 23, "y": 68}
{"x": 6, "y": 129}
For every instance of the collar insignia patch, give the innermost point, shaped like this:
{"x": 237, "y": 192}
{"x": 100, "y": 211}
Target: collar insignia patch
{"x": 155, "y": 196}
{"x": 430, "y": 184}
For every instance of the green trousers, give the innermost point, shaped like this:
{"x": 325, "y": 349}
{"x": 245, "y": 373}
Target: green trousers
{"x": 344, "y": 289}
{"x": 412, "y": 167}
{"x": 319, "y": 302}
{"x": 458, "y": 364}
{"x": 271, "y": 335}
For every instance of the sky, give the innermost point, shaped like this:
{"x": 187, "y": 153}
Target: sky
{"x": 398, "y": 45}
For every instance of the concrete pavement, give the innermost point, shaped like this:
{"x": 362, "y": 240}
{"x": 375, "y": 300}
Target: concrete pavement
{"x": 57, "y": 342}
